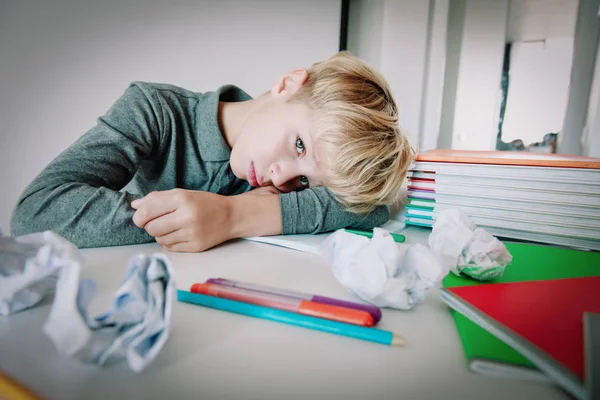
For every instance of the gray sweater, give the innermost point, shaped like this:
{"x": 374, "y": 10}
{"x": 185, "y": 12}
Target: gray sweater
{"x": 155, "y": 137}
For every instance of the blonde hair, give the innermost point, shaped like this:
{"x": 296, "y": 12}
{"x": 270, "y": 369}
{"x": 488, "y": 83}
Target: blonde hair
{"x": 356, "y": 128}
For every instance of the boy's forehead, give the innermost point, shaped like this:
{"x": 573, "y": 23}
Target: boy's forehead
{"x": 305, "y": 114}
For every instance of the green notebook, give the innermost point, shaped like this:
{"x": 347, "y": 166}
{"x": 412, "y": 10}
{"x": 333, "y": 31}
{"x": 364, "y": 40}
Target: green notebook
{"x": 486, "y": 353}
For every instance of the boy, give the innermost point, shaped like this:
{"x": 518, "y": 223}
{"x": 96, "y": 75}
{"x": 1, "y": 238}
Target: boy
{"x": 322, "y": 148}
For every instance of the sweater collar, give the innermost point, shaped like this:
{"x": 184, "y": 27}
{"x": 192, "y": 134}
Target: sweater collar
{"x": 214, "y": 146}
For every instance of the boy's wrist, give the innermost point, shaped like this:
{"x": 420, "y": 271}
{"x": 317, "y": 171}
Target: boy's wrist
{"x": 253, "y": 213}
{"x": 234, "y": 215}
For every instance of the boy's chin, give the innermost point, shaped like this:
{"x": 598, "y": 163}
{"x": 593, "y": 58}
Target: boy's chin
{"x": 238, "y": 174}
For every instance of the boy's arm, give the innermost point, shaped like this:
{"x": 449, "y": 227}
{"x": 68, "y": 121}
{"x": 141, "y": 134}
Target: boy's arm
{"x": 309, "y": 211}
{"x": 77, "y": 194}
{"x": 316, "y": 210}
{"x": 191, "y": 221}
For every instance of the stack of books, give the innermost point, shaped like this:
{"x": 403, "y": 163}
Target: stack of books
{"x": 546, "y": 198}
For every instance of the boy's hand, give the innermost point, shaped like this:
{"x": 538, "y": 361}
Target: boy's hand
{"x": 185, "y": 220}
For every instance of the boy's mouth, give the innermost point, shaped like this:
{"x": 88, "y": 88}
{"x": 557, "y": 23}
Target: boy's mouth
{"x": 252, "y": 175}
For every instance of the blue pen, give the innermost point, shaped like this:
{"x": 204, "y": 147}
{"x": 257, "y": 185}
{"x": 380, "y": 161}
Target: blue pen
{"x": 340, "y": 328}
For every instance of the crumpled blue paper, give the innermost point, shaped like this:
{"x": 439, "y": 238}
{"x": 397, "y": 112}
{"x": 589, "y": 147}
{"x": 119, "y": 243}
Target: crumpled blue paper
{"x": 135, "y": 327}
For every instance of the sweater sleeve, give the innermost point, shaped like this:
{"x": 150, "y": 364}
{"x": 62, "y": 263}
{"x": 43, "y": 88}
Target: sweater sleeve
{"x": 316, "y": 210}
{"x": 78, "y": 194}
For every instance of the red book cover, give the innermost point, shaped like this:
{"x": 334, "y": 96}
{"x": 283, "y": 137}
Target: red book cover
{"x": 548, "y": 314}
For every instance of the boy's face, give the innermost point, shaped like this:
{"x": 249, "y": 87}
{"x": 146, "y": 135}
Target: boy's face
{"x": 274, "y": 147}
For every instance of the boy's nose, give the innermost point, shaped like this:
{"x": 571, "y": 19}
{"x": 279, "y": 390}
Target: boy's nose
{"x": 283, "y": 177}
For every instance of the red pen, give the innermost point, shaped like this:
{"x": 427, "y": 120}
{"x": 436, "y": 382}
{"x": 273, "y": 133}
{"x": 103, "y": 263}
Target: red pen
{"x": 305, "y": 307}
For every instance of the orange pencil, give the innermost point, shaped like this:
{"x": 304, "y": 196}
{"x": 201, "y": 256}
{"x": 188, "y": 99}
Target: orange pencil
{"x": 305, "y": 307}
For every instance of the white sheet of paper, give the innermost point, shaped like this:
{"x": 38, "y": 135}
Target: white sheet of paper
{"x": 311, "y": 243}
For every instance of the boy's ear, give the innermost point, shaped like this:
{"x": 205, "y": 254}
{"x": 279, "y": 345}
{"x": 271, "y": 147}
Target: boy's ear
{"x": 289, "y": 83}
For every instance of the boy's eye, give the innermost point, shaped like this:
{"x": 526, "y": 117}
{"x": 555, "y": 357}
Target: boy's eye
{"x": 299, "y": 146}
{"x": 304, "y": 181}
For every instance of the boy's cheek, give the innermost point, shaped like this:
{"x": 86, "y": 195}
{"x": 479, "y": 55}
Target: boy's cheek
{"x": 236, "y": 167}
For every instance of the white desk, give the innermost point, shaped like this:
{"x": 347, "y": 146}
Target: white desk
{"x": 213, "y": 354}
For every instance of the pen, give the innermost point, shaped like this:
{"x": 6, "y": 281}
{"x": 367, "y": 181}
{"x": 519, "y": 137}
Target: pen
{"x": 305, "y": 307}
{"x": 396, "y": 236}
{"x": 306, "y": 321}
{"x": 373, "y": 310}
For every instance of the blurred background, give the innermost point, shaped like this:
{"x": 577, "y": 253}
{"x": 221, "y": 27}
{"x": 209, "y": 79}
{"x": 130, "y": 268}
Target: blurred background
{"x": 515, "y": 75}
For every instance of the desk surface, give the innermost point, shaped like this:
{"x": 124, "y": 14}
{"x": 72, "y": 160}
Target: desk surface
{"x": 217, "y": 355}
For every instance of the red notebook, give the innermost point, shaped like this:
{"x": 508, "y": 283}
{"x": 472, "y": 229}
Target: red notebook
{"x": 543, "y": 320}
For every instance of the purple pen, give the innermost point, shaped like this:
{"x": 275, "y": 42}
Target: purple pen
{"x": 373, "y": 310}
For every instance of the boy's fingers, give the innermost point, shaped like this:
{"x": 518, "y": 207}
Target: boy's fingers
{"x": 181, "y": 247}
{"x": 136, "y": 203}
{"x": 153, "y": 208}
{"x": 163, "y": 225}
{"x": 171, "y": 238}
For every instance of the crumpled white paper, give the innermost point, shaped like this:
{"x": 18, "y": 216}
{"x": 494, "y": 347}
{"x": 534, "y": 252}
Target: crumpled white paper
{"x": 388, "y": 274}
{"x": 29, "y": 267}
{"x": 137, "y": 325}
{"x": 466, "y": 249}
{"x": 380, "y": 271}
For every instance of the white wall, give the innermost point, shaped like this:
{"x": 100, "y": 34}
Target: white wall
{"x": 443, "y": 59}
{"x": 541, "y": 33}
{"x": 431, "y": 112}
{"x": 591, "y": 141}
{"x": 365, "y": 21}
{"x": 538, "y": 90}
{"x": 472, "y": 93}
{"x": 456, "y": 20}
{"x": 531, "y": 20}
{"x": 64, "y": 62}
{"x": 585, "y": 47}
{"x": 404, "y": 40}
{"x": 478, "y": 93}
{"x": 477, "y": 33}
